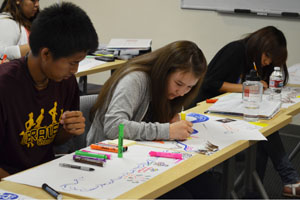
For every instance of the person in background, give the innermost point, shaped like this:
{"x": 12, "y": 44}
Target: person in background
{"x": 226, "y": 72}
{"x": 147, "y": 93}
{"x": 15, "y": 21}
{"x": 39, "y": 99}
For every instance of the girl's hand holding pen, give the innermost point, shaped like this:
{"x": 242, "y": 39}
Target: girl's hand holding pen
{"x": 180, "y": 130}
{"x": 73, "y": 122}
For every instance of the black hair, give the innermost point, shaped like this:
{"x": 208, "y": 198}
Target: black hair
{"x": 64, "y": 29}
{"x": 272, "y": 42}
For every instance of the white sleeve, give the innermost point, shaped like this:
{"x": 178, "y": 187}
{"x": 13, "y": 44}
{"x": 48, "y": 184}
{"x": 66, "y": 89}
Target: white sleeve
{"x": 10, "y": 38}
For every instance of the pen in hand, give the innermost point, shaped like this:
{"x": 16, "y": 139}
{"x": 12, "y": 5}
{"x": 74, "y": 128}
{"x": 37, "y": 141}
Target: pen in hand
{"x": 254, "y": 65}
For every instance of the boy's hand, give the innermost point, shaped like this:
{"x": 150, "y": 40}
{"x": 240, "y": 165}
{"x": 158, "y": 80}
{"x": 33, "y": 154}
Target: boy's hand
{"x": 73, "y": 122}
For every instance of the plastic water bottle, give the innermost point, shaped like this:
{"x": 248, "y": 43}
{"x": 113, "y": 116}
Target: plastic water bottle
{"x": 276, "y": 84}
{"x": 252, "y": 96}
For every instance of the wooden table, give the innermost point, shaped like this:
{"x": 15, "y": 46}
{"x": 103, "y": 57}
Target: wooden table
{"x": 100, "y": 68}
{"x": 179, "y": 174}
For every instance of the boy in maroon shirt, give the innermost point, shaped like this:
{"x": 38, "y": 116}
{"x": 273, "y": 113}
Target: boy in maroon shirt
{"x": 39, "y": 96}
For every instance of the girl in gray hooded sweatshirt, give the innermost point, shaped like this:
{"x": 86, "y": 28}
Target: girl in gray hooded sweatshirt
{"x": 147, "y": 93}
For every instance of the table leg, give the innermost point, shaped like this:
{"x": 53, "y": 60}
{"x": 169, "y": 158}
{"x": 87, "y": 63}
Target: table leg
{"x": 250, "y": 175}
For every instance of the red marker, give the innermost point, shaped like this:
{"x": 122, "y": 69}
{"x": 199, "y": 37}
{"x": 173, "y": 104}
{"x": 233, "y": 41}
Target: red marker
{"x": 211, "y": 100}
{"x": 4, "y": 58}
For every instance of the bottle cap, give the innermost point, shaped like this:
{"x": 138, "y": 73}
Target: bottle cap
{"x": 277, "y": 68}
{"x": 252, "y": 76}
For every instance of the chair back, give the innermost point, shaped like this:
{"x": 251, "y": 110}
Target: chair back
{"x": 79, "y": 142}
{"x": 86, "y": 103}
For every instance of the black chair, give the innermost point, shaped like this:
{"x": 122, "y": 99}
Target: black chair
{"x": 88, "y": 88}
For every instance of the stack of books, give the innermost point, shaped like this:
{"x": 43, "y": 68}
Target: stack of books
{"x": 128, "y": 48}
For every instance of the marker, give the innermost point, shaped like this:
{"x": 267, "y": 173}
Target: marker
{"x": 52, "y": 192}
{"x": 165, "y": 155}
{"x": 89, "y": 56}
{"x": 211, "y": 100}
{"x": 108, "y": 155}
{"x": 289, "y": 14}
{"x": 104, "y": 148}
{"x": 88, "y": 160}
{"x": 120, "y": 142}
{"x": 76, "y": 167}
{"x": 242, "y": 11}
{"x": 125, "y": 148}
{"x": 87, "y": 154}
{"x": 182, "y": 114}
{"x": 3, "y": 58}
{"x": 100, "y": 54}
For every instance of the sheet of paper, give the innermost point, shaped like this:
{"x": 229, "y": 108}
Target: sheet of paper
{"x": 294, "y": 74}
{"x": 218, "y": 131}
{"x": 118, "y": 176}
{"x": 7, "y": 195}
{"x": 88, "y": 63}
{"x": 290, "y": 96}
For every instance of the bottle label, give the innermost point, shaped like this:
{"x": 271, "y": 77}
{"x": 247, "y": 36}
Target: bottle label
{"x": 276, "y": 83}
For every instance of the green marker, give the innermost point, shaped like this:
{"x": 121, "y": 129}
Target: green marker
{"x": 93, "y": 155}
{"x": 120, "y": 143}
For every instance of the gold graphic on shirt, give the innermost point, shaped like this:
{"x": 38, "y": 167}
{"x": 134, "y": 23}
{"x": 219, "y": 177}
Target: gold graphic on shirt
{"x": 61, "y": 112}
{"x": 53, "y": 112}
{"x": 39, "y": 119}
{"x": 35, "y": 133}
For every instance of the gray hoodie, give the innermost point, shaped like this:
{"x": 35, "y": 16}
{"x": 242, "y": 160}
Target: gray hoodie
{"x": 129, "y": 104}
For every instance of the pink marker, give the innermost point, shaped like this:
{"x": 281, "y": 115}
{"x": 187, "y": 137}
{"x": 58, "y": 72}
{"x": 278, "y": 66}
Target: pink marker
{"x": 165, "y": 155}
{"x": 108, "y": 155}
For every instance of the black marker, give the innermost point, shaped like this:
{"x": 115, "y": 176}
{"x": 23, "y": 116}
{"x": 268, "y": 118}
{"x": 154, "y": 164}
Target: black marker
{"x": 52, "y": 192}
{"x": 242, "y": 11}
{"x": 76, "y": 167}
{"x": 289, "y": 14}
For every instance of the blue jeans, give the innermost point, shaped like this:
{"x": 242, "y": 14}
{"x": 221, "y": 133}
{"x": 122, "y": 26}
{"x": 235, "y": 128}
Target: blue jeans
{"x": 274, "y": 149}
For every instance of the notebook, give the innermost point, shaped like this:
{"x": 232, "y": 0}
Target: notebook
{"x": 232, "y": 104}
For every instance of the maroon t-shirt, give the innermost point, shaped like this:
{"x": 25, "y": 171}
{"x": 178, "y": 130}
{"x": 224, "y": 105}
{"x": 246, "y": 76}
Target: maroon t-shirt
{"x": 29, "y": 119}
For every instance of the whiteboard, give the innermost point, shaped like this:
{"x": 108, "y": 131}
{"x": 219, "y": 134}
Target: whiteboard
{"x": 284, "y": 8}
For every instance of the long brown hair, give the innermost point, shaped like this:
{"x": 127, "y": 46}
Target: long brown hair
{"x": 272, "y": 42}
{"x": 177, "y": 56}
{"x": 15, "y": 10}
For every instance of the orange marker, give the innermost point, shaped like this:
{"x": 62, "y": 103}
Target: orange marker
{"x": 211, "y": 100}
{"x": 4, "y": 58}
{"x": 104, "y": 148}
